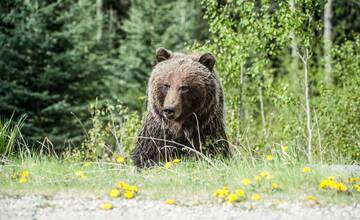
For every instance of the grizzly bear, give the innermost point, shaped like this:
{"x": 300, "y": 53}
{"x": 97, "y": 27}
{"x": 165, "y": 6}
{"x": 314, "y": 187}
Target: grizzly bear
{"x": 185, "y": 110}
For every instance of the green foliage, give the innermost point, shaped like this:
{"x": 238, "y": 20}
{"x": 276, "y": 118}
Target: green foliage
{"x": 113, "y": 132}
{"x": 259, "y": 47}
{"x": 339, "y": 106}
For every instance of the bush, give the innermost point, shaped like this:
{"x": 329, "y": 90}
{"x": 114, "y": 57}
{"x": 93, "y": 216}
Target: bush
{"x": 114, "y": 130}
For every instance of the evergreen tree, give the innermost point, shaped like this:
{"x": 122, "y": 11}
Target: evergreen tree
{"x": 51, "y": 66}
{"x": 171, "y": 23}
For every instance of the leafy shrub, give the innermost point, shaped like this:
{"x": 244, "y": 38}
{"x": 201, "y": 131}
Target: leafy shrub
{"x": 339, "y": 106}
{"x": 114, "y": 130}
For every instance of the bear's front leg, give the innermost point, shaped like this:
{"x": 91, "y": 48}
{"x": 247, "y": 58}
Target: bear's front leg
{"x": 148, "y": 147}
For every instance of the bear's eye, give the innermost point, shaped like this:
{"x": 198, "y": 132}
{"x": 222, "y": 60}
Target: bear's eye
{"x": 164, "y": 88}
{"x": 184, "y": 89}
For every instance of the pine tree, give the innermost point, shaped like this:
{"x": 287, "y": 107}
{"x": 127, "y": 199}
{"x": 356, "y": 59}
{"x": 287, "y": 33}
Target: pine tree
{"x": 172, "y": 24}
{"x": 51, "y": 66}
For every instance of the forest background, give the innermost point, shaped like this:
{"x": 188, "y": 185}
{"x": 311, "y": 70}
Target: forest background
{"x": 73, "y": 74}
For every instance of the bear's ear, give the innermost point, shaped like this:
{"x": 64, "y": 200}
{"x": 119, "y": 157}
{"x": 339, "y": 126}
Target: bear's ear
{"x": 208, "y": 60}
{"x": 162, "y": 54}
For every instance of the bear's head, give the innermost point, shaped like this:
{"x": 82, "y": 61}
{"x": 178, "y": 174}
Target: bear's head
{"x": 181, "y": 85}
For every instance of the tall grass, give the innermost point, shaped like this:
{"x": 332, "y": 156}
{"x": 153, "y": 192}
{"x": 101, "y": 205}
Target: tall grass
{"x": 9, "y": 133}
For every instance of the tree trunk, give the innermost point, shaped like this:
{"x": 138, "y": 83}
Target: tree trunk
{"x": 263, "y": 119}
{"x": 99, "y": 4}
{"x": 240, "y": 110}
{"x": 304, "y": 58}
{"x": 328, "y": 43}
{"x": 294, "y": 48}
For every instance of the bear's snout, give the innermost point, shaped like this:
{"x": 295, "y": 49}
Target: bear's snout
{"x": 169, "y": 112}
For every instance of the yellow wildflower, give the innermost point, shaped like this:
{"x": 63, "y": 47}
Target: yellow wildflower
{"x": 258, "y": 178}
{"x": 170, "y": 201}
{"x": 255, "y": 197}
{"x": 79, "y": 173}
{"x": 354, "y": 179}
{"x": 264, "y": 173}
{"x": 25, "y": 173}
{"x": 274, "y": 186}
{"x": 340, "y": 187}
{"x": 120, "y": 159}
{"x": 129, "y": 194}
{"x": 222, "y": 193}
{"x": 168, "y": 165}
{"x": 121, "y": 184}
{"x": 231, "y": 198}
{"x": 356, "y": 187}
{"x": 284, "y": 148}
{"x": 127, "y": 187}
{"x": 269, "y": 157}
{"x": 326, "y": 184}
{"x": 106, "y": 206}
{"x": 176, "y": 161}
{"x": 240, "y": 192}
{"x": 246, "y": 182}
{"x": 114, "y": 193}
{"x": 23, "y": 180}
{"x": 306, "y": 170}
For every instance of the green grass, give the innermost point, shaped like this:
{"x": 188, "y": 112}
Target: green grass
{"x": 188, "y": 181}
{"x": 9, "y": 132}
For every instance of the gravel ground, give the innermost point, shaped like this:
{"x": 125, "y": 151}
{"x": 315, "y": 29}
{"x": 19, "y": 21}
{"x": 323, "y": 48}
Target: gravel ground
{"x": 68, "y": 206}
{"x": 64, "y": 206}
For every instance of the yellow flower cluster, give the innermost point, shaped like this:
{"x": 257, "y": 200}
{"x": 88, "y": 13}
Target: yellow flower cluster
{"x": 169, "y": 164}
{"x": 122, "y": 189}
{"x": 225, "y": 195}
{"x": 329, "y": 183}
{"x": 222, "y": 193}
{"x": 127, "y": 190}
{"x": 21, "y": 177}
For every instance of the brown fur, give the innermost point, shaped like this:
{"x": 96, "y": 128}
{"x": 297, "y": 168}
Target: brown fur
{"x": 186, "y": 101}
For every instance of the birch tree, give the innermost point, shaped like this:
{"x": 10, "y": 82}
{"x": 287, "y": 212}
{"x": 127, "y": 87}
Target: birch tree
{"x": 328, "y": 42}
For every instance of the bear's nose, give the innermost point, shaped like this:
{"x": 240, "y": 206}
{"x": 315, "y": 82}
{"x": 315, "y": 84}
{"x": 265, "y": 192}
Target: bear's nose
{"x": 169, "y": 112}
